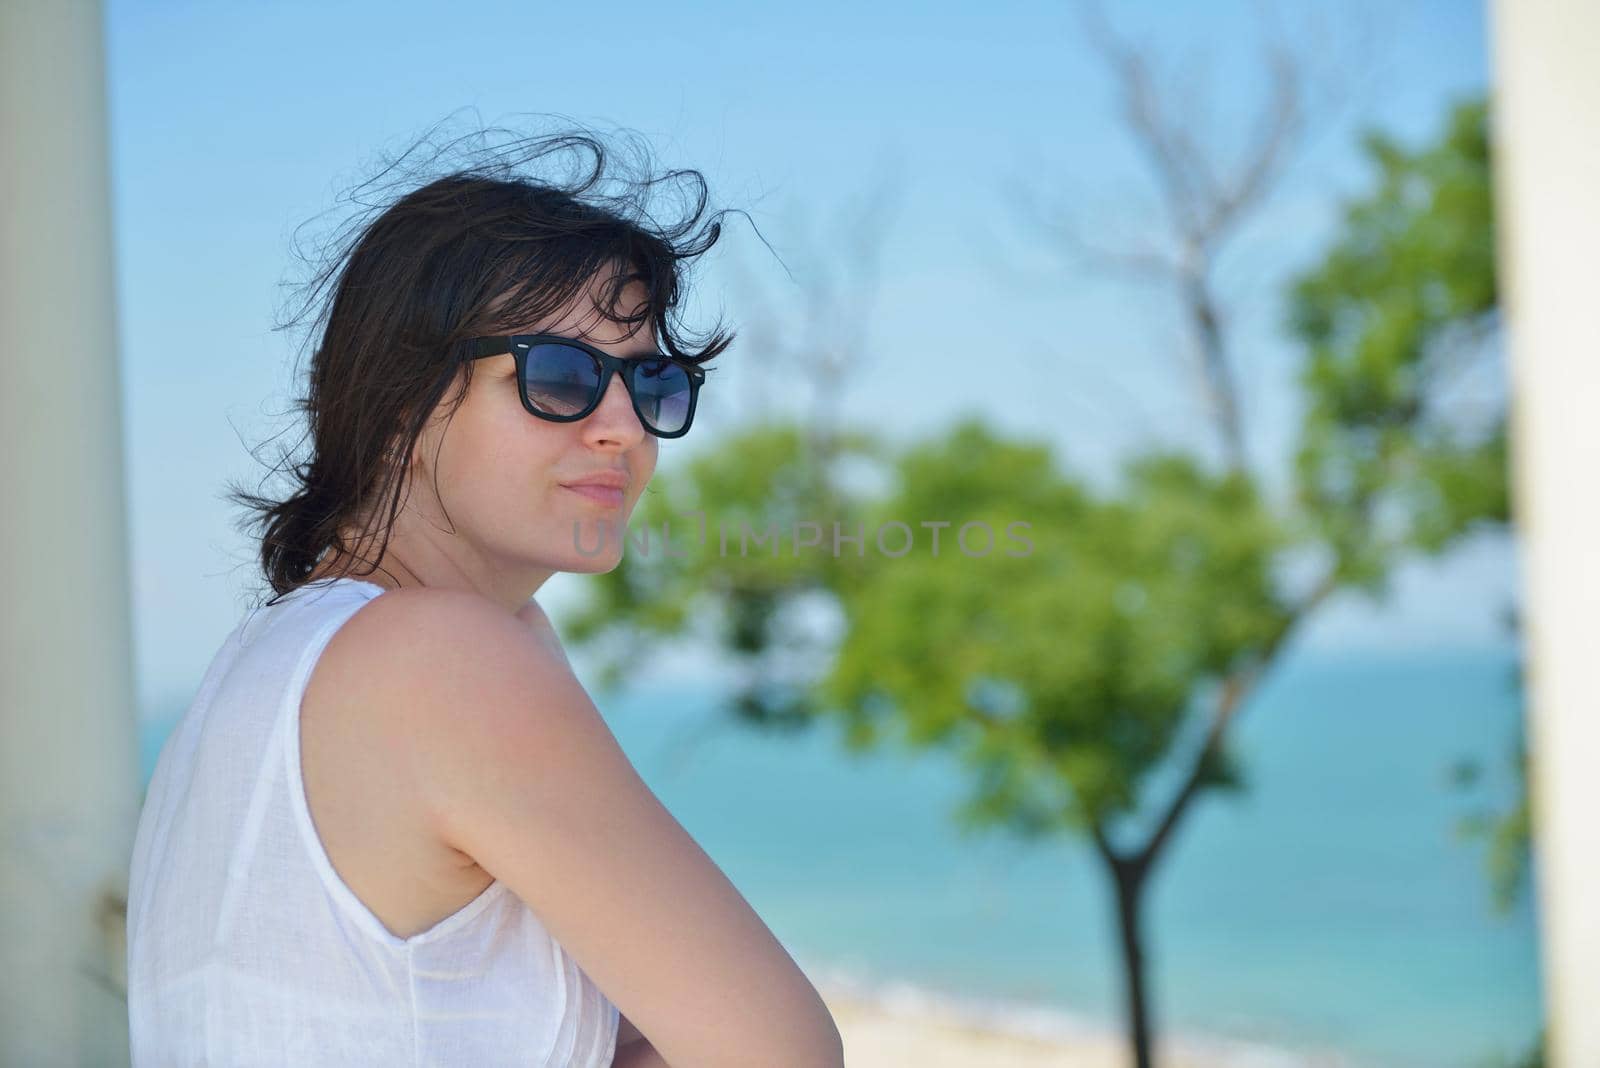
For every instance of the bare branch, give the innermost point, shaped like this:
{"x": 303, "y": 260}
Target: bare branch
{"x": 1207, "y": 200}
{"x": 1276, "y": 138}
{"x": 1174, "y": 160}
{"x": 1067, "y": 238}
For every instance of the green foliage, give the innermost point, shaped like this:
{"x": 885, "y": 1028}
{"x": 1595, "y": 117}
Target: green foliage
{"x": 1506, "y": 834}
{"x": 1402, "y": 301}
{"x": 1060, "y": 676}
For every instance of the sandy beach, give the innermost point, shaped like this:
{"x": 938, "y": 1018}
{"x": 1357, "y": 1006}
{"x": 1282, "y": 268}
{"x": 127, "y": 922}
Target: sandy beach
{"x": 890, "y": 1029}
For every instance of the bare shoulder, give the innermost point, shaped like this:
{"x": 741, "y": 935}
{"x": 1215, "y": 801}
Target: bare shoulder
{"x": 440, "y": 670}
{"x": 514, "y": 766}
{"x": 422, "y": 631}
{"x": 457, "y": 679}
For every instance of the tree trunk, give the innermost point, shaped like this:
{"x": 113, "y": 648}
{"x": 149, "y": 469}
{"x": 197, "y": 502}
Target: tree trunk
{"x": 1129, "y": 880}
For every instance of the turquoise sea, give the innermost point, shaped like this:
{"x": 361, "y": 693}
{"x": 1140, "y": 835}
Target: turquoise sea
{"x": 1328, "y": 906}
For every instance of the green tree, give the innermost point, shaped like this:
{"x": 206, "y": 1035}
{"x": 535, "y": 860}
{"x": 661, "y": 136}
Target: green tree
{"x": 1131, "y": 633}
{"x": 1506, "y": 835}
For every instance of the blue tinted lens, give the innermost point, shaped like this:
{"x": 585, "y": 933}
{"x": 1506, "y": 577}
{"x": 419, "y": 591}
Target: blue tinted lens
{"x": 662, "y": 391}
{"x": 560, "y": 379}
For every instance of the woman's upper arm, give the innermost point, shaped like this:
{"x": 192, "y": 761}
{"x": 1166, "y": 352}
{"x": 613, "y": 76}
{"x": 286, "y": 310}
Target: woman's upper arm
{"x": 516, "y": 768}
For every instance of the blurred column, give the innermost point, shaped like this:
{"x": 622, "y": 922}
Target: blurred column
{"x": 68, "y": 765}
{"x": 1546, "y": 123}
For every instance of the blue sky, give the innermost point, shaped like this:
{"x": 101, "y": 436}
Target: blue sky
{"x": 233, "y": 124}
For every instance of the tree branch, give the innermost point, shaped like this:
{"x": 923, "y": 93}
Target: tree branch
{"x": 1114, "y": 860}
{"x": 1205, "y": 209}
{"x": 1235, "y": 689}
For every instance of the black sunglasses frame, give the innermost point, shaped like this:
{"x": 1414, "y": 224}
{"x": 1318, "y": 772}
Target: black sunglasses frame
{"x": 519, "y": 345}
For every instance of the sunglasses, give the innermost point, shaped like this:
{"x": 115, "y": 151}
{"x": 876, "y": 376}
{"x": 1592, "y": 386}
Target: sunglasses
{"x": 563, "y": 380}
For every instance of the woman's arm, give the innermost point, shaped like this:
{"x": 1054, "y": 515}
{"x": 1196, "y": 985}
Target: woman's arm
{"x": 515, "y": 767}
{"x": 633, "y": 1049}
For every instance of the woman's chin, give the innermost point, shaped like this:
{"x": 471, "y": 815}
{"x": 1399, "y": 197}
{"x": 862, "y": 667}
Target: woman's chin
{"x": 596, "y": 543}
{"x": 598, "y": 564}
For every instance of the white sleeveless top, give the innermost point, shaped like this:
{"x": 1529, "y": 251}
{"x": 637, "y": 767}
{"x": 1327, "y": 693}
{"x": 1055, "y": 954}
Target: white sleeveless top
{"x": 246, "y": 948}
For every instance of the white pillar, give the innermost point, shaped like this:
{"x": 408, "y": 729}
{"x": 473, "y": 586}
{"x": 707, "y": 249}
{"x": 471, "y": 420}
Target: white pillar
{"x": 68, "y": 764}
{"x": 1546, "y": 123}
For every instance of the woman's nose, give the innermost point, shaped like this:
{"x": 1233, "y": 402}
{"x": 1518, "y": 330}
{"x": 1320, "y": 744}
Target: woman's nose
{"x": 614, "y": 414}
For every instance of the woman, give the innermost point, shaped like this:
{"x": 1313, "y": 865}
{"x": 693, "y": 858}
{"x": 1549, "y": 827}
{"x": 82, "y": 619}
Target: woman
{"x": 392, "y": 828}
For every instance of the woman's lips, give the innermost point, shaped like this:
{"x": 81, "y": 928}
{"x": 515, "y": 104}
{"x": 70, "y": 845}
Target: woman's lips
{"x": 601, "y": 494}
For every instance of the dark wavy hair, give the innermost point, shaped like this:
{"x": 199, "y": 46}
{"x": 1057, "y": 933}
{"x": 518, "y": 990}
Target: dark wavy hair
{"x": 403, "y": 283}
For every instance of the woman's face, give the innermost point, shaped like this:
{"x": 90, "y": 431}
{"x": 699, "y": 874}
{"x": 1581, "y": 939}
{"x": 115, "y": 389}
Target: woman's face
{"x": 501, "y": 471}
